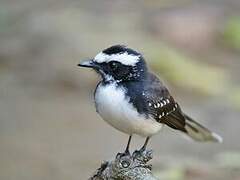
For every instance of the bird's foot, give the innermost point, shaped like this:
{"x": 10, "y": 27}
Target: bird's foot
{"x": 125, "y": 153}
{"x": 143, "y": 155}
{"x": 140, "y": 157}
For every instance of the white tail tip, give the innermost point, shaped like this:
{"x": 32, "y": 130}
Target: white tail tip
{"x": 217, "y": 137}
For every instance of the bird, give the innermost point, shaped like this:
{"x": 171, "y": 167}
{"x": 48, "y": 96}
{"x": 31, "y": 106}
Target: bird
{"x": 135, "y": 101}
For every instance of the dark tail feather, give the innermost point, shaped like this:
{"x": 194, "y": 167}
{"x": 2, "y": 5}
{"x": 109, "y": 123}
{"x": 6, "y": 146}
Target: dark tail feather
{"x": 200, "y": 133}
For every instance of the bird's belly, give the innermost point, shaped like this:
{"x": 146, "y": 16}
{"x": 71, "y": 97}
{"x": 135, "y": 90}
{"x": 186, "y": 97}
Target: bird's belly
{"x": 115, "y": 109}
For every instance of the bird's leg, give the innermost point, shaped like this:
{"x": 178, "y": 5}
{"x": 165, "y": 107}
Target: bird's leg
{"x": 143, "y": 148}
{"x": 128, "y": 144}
{"x": 141, "y": 153}
{"x": 126, "y": 152}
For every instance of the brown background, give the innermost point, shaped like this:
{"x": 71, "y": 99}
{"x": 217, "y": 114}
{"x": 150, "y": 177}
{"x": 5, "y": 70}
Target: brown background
{"x": 48, "y": 125}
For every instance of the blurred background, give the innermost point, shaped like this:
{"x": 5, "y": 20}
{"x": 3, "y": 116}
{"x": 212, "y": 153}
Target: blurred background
{"x": 48, "y": 125}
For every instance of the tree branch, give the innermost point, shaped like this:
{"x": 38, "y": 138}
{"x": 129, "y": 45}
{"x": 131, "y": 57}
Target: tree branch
{"x": 126, "y": 167}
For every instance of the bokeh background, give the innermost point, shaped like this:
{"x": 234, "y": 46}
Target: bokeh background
{"x": 48, "y": 125}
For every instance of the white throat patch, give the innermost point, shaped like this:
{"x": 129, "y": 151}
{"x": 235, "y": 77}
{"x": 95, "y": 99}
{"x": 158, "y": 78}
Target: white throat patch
{"x": 124, "y": 58}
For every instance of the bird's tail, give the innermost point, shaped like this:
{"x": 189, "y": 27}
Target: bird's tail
{"x": 199, "y": 133}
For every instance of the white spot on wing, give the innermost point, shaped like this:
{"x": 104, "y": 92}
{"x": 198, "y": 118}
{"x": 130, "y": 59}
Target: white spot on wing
{"x": 164, "y": 102}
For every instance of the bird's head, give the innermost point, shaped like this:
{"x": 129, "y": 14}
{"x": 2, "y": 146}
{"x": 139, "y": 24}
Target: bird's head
{"x": 118, "y": 63}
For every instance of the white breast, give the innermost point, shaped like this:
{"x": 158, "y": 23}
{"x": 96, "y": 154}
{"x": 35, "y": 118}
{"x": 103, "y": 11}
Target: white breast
{"x": 115, "y": 109}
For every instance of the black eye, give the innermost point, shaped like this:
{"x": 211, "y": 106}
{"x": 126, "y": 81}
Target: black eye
{"x": 113, "y": 65}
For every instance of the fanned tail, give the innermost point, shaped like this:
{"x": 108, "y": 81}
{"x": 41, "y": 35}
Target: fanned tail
{"x": 199, "y": 133}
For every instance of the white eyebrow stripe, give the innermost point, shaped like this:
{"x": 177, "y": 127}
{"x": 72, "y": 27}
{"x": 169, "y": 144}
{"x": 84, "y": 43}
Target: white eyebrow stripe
{"x": 124, "y": 58}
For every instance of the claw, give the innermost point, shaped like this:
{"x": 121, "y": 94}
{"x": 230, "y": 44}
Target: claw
{"x": 143, "y": 155}
{"x": 120, "y": 155}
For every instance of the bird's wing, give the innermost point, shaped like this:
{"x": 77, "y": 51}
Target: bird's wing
{"x": 161, "y": 105}
{"x": 163, "y": 108}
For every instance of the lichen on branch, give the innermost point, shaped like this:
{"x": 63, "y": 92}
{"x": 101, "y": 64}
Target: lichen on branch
{"x": 126, "y": 167}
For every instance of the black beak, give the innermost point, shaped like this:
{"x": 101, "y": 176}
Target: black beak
{"x": 87, "y": 64}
